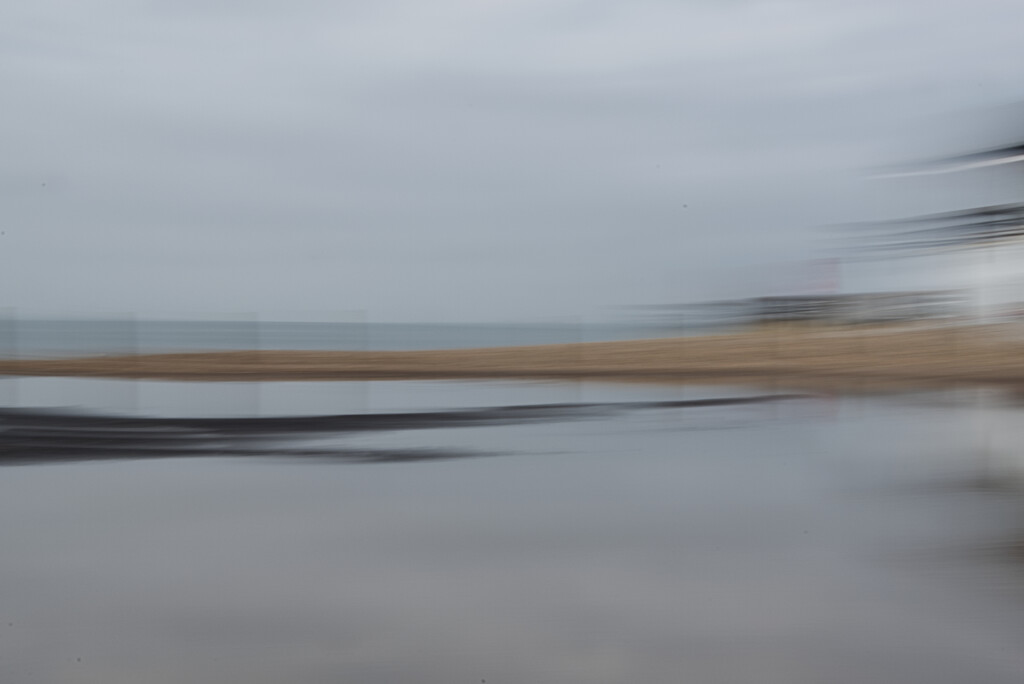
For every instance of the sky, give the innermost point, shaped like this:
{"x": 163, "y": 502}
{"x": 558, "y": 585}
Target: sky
{"x": 470, "y": 160}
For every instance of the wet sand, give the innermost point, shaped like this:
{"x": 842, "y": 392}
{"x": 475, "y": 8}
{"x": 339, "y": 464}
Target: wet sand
{"x": 631, "y": 539}
{"x": 797, "y": 356}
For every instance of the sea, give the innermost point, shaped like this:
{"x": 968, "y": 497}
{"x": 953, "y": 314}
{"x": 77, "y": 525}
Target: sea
{"x": 38, "y": 337}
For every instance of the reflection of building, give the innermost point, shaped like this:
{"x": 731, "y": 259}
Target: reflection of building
{"x": 873, "y": 307}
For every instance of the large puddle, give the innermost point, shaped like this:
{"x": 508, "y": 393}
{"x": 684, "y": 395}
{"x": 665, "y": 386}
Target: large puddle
{"x": 602, "y": 534}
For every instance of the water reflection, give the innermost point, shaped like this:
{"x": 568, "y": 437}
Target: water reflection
{"x": 626, "y": 546}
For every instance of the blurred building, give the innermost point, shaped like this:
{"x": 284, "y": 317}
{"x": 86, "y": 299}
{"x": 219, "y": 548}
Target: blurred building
{"x": 826, "y": 309}
{"x": 861, "y": 308}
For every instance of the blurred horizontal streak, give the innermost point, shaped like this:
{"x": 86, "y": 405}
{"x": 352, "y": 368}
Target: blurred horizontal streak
{"x": 997, "y": 156}
{"x": 964, "y": 229}
{"x": 923, "y": 246}
{"x": 29, "y": 436}
{"x": 1014, "y": 209}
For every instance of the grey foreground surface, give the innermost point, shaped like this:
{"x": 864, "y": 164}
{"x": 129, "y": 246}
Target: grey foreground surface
{"x": 632, "y": 535}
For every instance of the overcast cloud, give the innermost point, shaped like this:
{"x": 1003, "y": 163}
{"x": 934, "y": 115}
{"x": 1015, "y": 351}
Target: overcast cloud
{"x": 468, "y": 159}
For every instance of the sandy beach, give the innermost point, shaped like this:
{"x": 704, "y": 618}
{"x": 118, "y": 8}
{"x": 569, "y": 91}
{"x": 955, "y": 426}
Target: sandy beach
{"x": 982, "y": 354}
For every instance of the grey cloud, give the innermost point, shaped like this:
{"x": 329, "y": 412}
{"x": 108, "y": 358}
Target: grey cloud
{"x": 518, "y": 151}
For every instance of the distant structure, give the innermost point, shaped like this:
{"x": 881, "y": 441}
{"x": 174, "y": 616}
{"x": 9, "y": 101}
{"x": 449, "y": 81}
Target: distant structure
{"x": 869, "y": 308}
{"x": 987, "y": 227}
{"x": 856, "y": 309}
